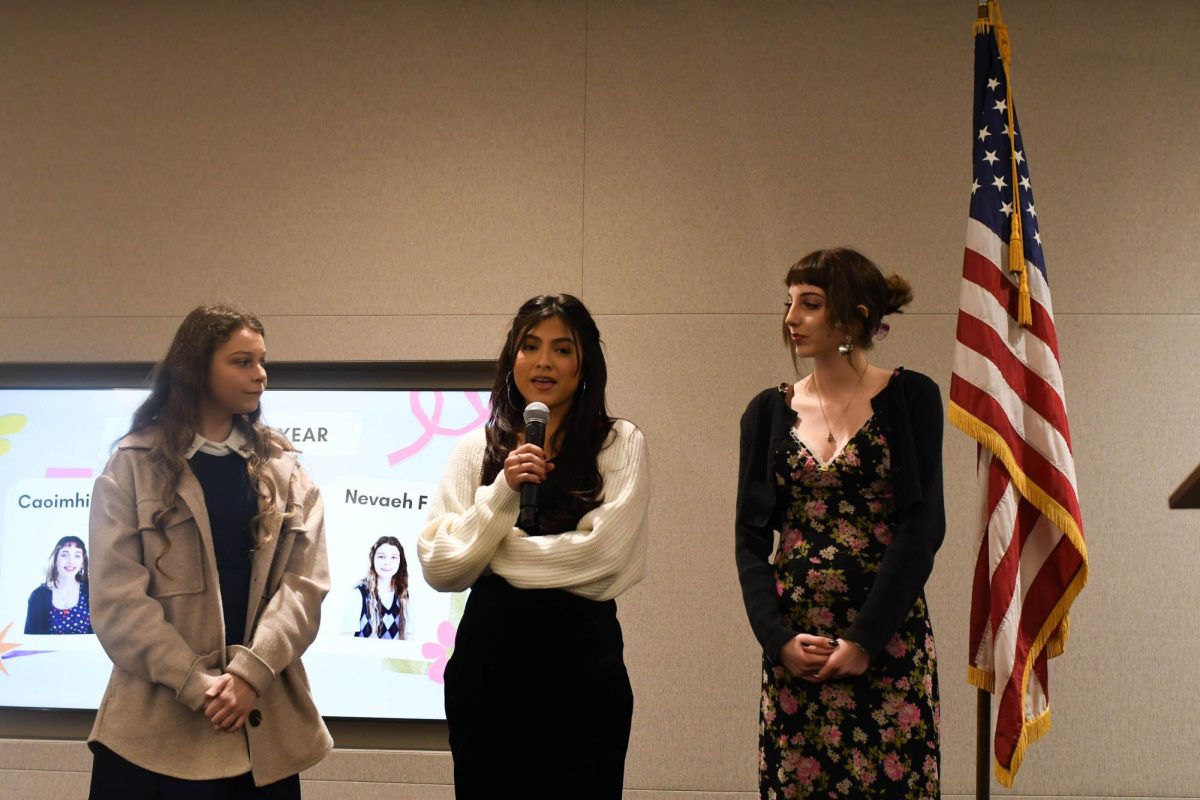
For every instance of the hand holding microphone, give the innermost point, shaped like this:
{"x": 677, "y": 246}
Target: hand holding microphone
{"x": 526, "y": 466}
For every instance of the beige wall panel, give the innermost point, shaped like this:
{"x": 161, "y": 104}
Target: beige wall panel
{"x": 307, "y": 158}
{"x": 1109, "y": 108}
{"x": 372, "y": 790}
{"x": 27, "y": 784}
{"x": 726, "y": 141}
{"x": 33, "y": 754}
{"x": 426, "y": 768}
{"x": 289, "y": 338}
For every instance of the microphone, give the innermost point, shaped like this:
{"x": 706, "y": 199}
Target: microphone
{"x": 536, "y": 416}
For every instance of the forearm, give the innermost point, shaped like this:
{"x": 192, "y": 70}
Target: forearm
{"x": 598, "y": 567}
{"x": 758, "y": 581}
{"x": 460, "y": 539}
{"x": 607, "y": 553}
{"x": 906, "y": 566}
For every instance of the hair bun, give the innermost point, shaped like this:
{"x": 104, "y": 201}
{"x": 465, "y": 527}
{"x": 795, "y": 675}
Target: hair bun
{"x": 900, "y": 294}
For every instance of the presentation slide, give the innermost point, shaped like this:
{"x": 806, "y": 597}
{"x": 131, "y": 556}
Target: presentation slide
{"x": 376, "y": 455}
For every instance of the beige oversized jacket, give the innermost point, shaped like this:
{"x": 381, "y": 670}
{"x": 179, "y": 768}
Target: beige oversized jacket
{"x": 162, "y": 625}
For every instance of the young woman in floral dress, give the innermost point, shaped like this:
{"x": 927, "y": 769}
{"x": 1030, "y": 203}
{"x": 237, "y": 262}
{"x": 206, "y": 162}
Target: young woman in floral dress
{"x": 846, "y": 466}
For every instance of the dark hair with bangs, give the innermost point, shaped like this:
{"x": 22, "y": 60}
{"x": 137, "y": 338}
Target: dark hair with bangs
{"x": 850, "y": 280}
{"x": 52, "y": 568}
{"x": 585, "y": 429}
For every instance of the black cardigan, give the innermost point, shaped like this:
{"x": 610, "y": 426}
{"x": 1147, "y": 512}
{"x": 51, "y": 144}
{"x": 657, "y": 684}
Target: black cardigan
{"x": 909, "y": 411}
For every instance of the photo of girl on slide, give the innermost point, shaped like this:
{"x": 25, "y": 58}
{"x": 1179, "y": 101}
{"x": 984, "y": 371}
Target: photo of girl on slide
{"x": 60, "y": 605}
{"x": 379, "y": 608}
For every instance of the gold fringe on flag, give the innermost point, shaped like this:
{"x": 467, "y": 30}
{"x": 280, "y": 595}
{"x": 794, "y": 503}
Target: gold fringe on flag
{"x": 1052, "y": 638}
{"x": 990, "y": 21}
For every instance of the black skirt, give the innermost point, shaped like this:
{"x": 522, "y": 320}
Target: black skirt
{"x": 538, "y": 700}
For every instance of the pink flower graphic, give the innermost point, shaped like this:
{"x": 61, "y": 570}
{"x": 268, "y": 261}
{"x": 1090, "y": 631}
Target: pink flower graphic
{"x": 439, "y": 651}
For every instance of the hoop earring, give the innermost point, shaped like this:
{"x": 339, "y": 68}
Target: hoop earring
{"x": 582, "y": 388}
{"x": 846, "y": 347}
{"x": 512, "y": 386}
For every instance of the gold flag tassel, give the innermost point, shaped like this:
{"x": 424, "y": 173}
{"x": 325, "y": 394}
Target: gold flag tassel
{"x": 990, "y": 21}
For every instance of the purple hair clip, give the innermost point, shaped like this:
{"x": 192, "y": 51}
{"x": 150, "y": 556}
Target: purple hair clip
{"x": 881, "y": 331}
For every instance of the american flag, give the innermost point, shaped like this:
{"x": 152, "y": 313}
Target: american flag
{"x": 1006, "y": 392}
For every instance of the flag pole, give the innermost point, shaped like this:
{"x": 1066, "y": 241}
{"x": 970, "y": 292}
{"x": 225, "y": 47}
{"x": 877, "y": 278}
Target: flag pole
{"x": 983, "y": 744}
{"x": 983, "y": 698}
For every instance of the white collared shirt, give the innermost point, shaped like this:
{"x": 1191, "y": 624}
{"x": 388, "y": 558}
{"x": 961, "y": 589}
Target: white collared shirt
{"x": 235, "y": 443}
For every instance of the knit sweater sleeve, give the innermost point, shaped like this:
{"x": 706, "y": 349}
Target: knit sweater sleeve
{"x": 472, "y": 528}
{"x": 607, "y": 553}
{"x": 466, "y": 521}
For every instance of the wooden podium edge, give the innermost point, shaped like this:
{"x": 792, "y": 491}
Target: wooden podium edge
{"x": 1188, "y": 493}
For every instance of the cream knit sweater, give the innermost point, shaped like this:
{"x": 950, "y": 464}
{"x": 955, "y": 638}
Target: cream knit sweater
{"x": 471, "y": 528}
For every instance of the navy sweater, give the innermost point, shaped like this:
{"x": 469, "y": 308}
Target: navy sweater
{"x": 231, "y": 505}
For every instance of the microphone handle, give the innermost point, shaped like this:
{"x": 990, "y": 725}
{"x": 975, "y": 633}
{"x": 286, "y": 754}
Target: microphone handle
{"x": 535, "y": 433}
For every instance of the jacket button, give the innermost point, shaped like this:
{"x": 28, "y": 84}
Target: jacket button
{"x": 255, "y": 718}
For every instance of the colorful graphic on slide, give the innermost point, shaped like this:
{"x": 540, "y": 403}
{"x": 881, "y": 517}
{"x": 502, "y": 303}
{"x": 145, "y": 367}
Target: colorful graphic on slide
{"x": 9, "y": 424}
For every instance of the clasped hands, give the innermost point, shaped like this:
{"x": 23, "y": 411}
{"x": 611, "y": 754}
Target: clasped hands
{"x": 229, "y": 701}
{"x": 817, "y": 659}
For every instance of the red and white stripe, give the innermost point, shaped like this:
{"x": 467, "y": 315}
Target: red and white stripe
{"x": 1006, "y": 391}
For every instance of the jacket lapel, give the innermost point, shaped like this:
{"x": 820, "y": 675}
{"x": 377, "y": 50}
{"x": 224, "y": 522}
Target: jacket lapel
{"x": 192, "y": 495}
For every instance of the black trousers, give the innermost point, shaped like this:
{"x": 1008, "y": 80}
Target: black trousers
{"x": 115, "y": 778}
{"x": 538, "y": 700}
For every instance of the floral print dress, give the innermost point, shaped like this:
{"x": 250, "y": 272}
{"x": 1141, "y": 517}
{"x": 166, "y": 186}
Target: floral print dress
{"x": 875, "y": 735}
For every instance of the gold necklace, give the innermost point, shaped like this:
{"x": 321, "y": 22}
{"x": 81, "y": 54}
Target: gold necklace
{"x": 846, "y": 405}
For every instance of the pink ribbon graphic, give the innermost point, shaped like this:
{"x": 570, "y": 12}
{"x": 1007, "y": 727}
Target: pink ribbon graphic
{"x": 432, "y": 426}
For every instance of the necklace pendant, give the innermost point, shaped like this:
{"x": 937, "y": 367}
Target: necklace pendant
{"x": 829, "y": 437}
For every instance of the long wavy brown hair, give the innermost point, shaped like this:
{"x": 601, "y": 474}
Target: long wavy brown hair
{"x": 178, "y": 384}
{"x": 586, "y": 428}
{"x": 399, "y": 585}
